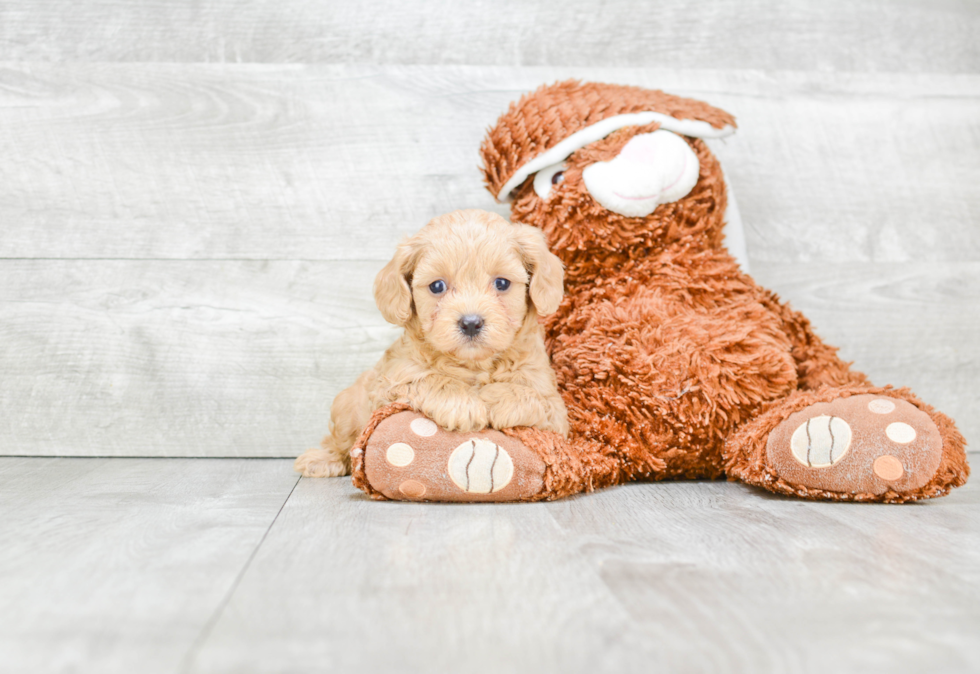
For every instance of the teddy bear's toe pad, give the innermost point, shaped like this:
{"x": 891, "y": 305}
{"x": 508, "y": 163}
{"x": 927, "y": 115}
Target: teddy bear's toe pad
{"x": 408, "y": 457}
{"x": 860, "y": 444}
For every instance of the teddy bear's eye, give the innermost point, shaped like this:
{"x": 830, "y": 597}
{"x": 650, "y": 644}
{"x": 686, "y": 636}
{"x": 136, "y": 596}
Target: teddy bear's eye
{"x": 437, "y": 287}
{"x": 548, "y": 177}
{"x": 501, "y": 284}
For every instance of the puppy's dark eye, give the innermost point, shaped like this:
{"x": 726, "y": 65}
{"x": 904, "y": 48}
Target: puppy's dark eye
{"x": 437, "y": 287}
{"x": 557, "y": 178}
{"x": 501, "y": 284}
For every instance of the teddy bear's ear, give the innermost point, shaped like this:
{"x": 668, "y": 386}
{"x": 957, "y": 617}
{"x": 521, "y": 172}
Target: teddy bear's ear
{"x": 546, "y": 287}
{"x": 392, "y": 285}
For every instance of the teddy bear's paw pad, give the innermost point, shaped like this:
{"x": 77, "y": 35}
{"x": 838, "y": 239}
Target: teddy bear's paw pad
{"x": 409, "y": 458}
{"x": 860, "y": 444}
{"x": 480, "y": 466}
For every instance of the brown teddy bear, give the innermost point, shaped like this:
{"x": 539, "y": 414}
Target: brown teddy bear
{"x": 672, "y": 362}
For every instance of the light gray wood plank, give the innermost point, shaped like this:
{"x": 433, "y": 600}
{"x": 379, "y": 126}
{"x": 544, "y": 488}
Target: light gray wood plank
{"x": 337, "y": 162}
{"x": 118, "y": 565}
{"x": 172, "y": 358}
{"x": 879, "y": 36}
{"x": 729, "y": 578}
{"x": 657, "y": 577}
{"x": 837, "y": 174}
{"x": 912, "y": 324}
{"x": 346, "y": 584}
{"x": 124, "y": 358}
{"x": 183, "y": 161}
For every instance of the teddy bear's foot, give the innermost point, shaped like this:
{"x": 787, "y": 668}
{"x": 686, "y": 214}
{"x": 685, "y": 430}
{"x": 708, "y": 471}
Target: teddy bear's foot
{"x": 858, "y": 445}
{"x": 407, "y": 457}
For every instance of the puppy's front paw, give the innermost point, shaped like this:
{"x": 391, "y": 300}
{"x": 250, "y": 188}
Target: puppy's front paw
{"x": 321, "y": 463}
{"x": 510, "y": 406}
{"x": 497, "y": 393}
{"x": 509, "y": 415}
{"x": 464, "y": 413}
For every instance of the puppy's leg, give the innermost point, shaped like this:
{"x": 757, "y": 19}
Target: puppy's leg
{"x": 450, "y": 403}
{"x": 513, "y": 405}
{"x": 324, "y": 461}
{"x": 349, "y": 414}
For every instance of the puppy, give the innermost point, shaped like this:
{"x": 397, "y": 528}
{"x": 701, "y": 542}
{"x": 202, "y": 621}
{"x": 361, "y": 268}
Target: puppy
{"x": 468, "y": 289}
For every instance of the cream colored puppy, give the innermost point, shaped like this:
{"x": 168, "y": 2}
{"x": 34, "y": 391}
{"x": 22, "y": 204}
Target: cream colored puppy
{"x": 468, "y": 289}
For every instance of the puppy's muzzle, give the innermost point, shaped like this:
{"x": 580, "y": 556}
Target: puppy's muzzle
{"x": 470, "y": 325}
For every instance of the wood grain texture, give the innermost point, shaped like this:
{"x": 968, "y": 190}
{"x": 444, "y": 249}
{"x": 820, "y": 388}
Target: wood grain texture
{"x": 346, "y": 584}
{"x": 698, "y": 577}
{"x": 118, "y": 565}
{"x": 124, "y": 358}
{"x": 728, "y": 579}
{"x": 913, "y": 324}
{"x": 233, "y": 358}
{"x": 338, "y": 162}
{"x": 876, "y": 35}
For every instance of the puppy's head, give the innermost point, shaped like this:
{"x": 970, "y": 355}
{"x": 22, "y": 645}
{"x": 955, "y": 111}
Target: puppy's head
{"x": 468, "y": 282}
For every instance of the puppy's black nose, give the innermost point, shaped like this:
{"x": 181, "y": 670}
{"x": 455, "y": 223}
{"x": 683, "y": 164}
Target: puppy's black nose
{"x": 471, "y": 324}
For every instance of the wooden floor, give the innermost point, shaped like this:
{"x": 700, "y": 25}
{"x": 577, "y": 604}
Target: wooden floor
{"x": 194, "y": 198}
{"x": 234, "y": 565}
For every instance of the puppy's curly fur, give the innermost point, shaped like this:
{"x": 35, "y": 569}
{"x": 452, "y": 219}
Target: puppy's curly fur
{"x": 468, "y": 289}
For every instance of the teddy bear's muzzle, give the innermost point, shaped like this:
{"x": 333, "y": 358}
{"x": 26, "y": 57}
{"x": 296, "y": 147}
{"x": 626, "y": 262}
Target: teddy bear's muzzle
{"x": 652, "y": 169}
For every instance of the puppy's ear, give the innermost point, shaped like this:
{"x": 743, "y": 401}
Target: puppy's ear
{"x": 546, "y": 287}
{"x": 392, "y": 289}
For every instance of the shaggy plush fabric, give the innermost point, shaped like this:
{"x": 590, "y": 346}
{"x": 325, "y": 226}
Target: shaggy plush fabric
{"x": 672, "y": 362}
{"x": 537, "y": 123}
{"x": 745, "y": 456}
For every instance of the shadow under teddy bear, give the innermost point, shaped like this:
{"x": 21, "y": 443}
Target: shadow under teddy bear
{"x": 672, "y": 362}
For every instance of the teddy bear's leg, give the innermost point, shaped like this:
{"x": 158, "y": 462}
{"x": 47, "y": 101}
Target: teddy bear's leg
{"x": 817, "y": 363}
{"x": 402, "y": 455}
{"x": 854, "y": 443}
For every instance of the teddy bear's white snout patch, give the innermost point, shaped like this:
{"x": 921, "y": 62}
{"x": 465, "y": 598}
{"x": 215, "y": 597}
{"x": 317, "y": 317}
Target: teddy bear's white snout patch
{"x": 652, "y": 169}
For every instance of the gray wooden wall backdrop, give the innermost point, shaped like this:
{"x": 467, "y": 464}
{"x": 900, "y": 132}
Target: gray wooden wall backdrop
{"x": 195, "y": 196}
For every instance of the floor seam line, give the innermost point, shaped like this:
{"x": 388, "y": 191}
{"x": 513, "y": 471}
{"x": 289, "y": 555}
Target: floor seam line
{"x": 213, "y": 620}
